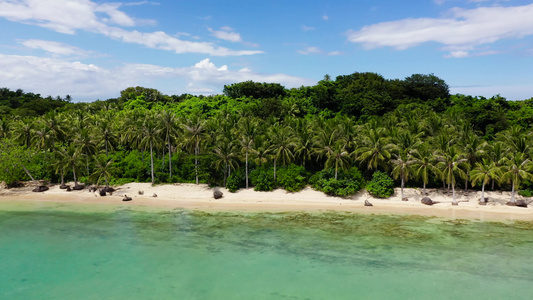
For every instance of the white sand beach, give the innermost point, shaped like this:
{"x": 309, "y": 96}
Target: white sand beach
{"x": 200, "y": 197}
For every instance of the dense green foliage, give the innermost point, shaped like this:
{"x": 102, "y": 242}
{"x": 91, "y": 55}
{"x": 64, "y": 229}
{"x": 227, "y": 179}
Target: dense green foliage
{"x": 265, "y": 136}
{"x": 347, "y": 183}
{"x": 381, "y": 185}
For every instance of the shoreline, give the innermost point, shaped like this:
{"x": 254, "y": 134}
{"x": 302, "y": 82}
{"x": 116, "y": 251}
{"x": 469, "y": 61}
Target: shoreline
{"x": 200, "y": 197}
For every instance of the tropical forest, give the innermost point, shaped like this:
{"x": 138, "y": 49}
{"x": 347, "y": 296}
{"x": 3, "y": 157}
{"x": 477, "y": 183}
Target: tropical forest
{"x": 339, "y": 136}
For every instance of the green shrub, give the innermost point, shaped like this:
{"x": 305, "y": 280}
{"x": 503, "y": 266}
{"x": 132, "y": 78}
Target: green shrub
{"x": 236, "y": 181}
{"x": 292, "y": 178}
{"x": 381, "y": 185}
{"x": 262, "y": 179}
{"x": 526, "y": 193}
{"x": 347, "y": 183}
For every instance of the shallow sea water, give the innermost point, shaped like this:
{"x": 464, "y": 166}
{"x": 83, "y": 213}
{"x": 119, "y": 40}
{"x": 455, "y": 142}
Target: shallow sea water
{"x": 178, "y": 254}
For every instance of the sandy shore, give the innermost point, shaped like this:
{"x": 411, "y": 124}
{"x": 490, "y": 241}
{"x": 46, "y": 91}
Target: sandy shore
{"x": 200, "y": 197}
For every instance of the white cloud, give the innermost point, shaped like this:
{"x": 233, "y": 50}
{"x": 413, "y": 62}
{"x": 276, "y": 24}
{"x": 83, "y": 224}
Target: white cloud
{"x": 55, "y": 48}
{"x": 69, "y": 16}
{"x": 227, "y": 34}
{"x": 307, "y": 28}
{"x": 333, "y": 53}
{"x": 53, "y": 76}
{"x": 325, "y": 17}
{"x": 310, "y": 50}
{"x": 466, "y": 28}
{"x": 458, "y": 54}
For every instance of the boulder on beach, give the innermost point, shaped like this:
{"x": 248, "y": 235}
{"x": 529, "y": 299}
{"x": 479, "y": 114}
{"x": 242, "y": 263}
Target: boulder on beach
{"x": 217, "y": 194}
{"x": 126, "y": 198}
{"x": 367, "y": 203}
{"x": 102, "y": 192}
{"x": 427, "y": 201}
{"x": 521, "y": 203}
{"x": 405, "y": 199}
{"x": 78, "y": 187}
{"x": 40, "y": 188}
{"x": 64, "y": 186}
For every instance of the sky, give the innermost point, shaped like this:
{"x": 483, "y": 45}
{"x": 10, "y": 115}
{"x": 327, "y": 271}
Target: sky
{"x": 94, "y": 49}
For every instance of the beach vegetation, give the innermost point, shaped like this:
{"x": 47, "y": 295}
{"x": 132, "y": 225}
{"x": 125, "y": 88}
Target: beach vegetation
{"x": 381, "y": 185}
{"x": 335, "y": 136}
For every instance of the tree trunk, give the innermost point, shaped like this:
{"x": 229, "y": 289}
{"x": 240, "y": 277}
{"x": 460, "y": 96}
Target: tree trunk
{"x": 33, "y": 179}
{"x": 196, "y": 162}
{"x": 274, "y": 171}
{"x": 513, "y": 194}
{"x": 87, "y": 160}
{"x": 246, "y": 168}
{"x": 75, "y": 177}
{"x": 402, "y": 185}
{"x": 169, "y": 161}
{"x": 483, "y": 192}
{"x": 424, "y": 188}
{"x": 454, "y": 199}
{"x": 152, "y": 162}
{"x": 336, "y": 170}
{"x": 62, "y": 178}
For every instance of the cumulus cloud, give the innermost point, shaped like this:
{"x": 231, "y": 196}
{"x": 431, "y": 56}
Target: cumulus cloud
{"x": 465, "y": 28}
{"x": 70, "y": 16}
{"x": 53, "y": 76}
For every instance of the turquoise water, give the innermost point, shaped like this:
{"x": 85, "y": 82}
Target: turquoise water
{"x": 126, "y": 254}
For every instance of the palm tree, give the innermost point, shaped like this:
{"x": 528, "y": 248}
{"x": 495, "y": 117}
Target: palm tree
{"x": 517, "y": 169}
{"x": 106, "y": 134}
{"x": 484, "y": 172}
{"x": 71, "y": 157}
{"x": 497, "y": 152}
{"x": 43, "y": 138}
{"x": 376, "y": 151}
{"x": 23, "y": 131}
{"x": 473, "y": 150}
{"x": 247, "y": 129}
{"x": 338, "y": 156}
{"x": 86, "y": 144}
{"x": 423, "y": 163}
{"x": 195, "y": 131}
{"x": 60, "y": 163}
{"x": 103, "y": 168}
{"x": 170, "y": 124}
{"x": 225, "y": 153}
{"x": 151, "y": 138}
{"x": 282, "y": 143}
{"x": 450, "y": 165}
{"x": 403, "y": 167}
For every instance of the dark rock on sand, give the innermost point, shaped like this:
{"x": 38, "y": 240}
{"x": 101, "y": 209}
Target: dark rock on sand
{"x": 217, "y": 194}
{"x": 40, "y": 188}
{"x": 102, "y": 192}
{"x": 427, "y": 201}
{"x": 126, "y": 198}
{"x": 78, "y": 187}
{"x": 521, "y": 203}
{"x": 405, "y": 199}
{"x": 367, "y": 203}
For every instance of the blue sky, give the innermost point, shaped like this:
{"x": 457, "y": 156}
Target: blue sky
{"x": 94, "y": 49}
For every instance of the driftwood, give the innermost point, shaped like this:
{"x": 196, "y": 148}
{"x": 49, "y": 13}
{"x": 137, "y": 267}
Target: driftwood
{"x": 109, "y": 189}
{"x": 93, "y": 189}
{"x": 126, "y": 198}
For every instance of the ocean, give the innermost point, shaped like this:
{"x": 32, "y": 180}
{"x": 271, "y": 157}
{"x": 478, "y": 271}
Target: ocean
{"x": 60, "y": 251}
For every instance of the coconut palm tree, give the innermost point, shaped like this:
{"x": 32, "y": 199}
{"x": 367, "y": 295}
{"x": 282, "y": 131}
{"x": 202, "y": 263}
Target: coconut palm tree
{"x": 282, "y": 142}
{"x": 194, "y": 128}
{"x": 423, "y": 163}
{"x": 484, "y": 172}
{"x": 497, "y": 152}
{"x": 450, "y": 165}
{"x": 472, "y": 151}
{"x": 403, "y": 167}
{"x": 23, "y": 132}
{"x": 151, "y": 138}
{"x": 106, "y": 135}
{"x": 337, "y": 156}
{"x": 104, "y": 167}
{"x": 518, "y": 168}
{"x": 72, "y": 157}
{"x": 86, "y": 144}
{"x": 246, "y": 131}
{"x": 376, "y": 150}
{"x": 226, "y": 154}
{"x": 170, "y": 126}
